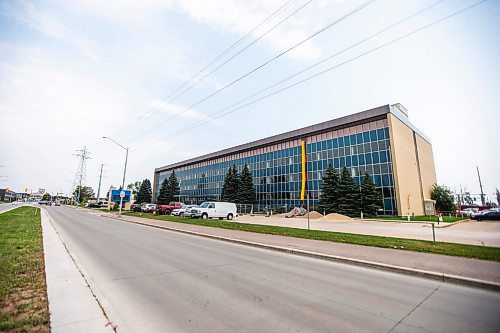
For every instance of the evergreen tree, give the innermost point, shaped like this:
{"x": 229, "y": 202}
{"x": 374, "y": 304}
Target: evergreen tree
{"x": 173, "y": 188}
{"x": 231, "y": 185}
{"x": 328, "y": 199}
{"x": 348, "y": 202}
{"x": 145, "y": 192}
{"x": 246, "y": 190}
{"x": 371, "y": 197}
{"x": 163, "y": 196}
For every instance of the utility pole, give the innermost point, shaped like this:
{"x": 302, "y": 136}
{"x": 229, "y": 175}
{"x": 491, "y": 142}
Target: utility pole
{"x": 480, "y": 186}
{"x": 84, "y": 155}
{"x": 99, "y": 188}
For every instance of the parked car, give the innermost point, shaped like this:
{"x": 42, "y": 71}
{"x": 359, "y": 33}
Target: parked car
{"x": 213, "y": 209}
{"x": 42, "y": 202}
{"x": 149, "y": 208}
{"x": 490, "y": 214}
{"x": 167, "y": 209}
{"x": 182, "y": 211}
{"x": 57, "y": 203}
{"x": 189, "y": 210}
{"x": 136, "y": 207}
{"x": 93, "y": 205}
{"x": 468, "y": 211}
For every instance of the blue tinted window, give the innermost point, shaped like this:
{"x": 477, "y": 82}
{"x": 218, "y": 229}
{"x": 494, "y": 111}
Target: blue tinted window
{"x": 352, "y": 138}
{"x": 348, "y": 161}
{"x": 336, "y": 163}
{"x": 376, "y": 158}
{"x": 335, "y": 143}
{"x": 368, "y": 158}
{"x": 347, "y": 140}
{"x": 385, "y": 180}
{"x": 386, "y": 130}
{"x": 378, "y": 180}
{"x": 387, "y": 204}
{"x": 341, "y": 142}
{"x": 342, "y": 162}
{"x": 366, "y": 137}
{"x": 381, "y": 134}
{"x": 383, "y": 156}
{"x": 313, "y": 148}
{"x": 308, "y": 148}
{"x": 359, "y": 138}
{"x": 355, "y": 160}
{"x": 329, "y": 144}
{"x": 323, "y": 145}
{"x": 361, "y": 158}
{"x": 373, "y": 135}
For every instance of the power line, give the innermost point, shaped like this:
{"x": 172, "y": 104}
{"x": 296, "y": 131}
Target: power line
{"x": 320, "y": 62}
{"x": 154, "y": 107}
{"x": 328, "y": 69}
{"x": 258, "y": 67}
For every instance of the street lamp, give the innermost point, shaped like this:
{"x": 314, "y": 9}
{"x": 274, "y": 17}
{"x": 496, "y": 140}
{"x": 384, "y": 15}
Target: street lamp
{"x": 124, "y": 172}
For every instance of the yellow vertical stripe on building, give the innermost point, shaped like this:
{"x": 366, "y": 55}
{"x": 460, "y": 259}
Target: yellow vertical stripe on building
{"x": 304, "y": 171}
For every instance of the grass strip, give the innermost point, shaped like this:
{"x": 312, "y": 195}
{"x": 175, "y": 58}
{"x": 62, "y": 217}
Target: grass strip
{"x": 23, "y": 291}
{"x": 451, "y": 249}
{"x": 447, "y": 219}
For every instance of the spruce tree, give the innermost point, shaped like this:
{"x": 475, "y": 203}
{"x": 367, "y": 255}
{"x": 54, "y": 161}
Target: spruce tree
{"x": 246, "y": 190}
{"x": 173, "y": 187}
{"x": 348, "y": 202}
{"x": 231, "y": 185}
{"x": 371, "y": 197}
{"x": 163, "y": 196}
{"x": 145, "y": 192}
{"x": 328, "y": 199}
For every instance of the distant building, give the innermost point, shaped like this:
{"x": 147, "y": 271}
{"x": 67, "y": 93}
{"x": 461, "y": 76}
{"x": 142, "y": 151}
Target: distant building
{"x": 380, "y": 141}
{"x": 7, "y": 195}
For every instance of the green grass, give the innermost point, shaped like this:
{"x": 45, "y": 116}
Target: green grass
{"x": 23, "y": 292}
{"x": 447, "y": 219}
{"x": 452, "y": 249}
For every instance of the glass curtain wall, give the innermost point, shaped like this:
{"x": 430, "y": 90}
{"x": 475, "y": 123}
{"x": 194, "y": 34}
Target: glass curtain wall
{"x": 277, "y": 169}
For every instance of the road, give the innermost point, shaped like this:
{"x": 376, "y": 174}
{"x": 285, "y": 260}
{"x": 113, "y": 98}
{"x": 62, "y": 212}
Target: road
{"x": 152, "y": 280}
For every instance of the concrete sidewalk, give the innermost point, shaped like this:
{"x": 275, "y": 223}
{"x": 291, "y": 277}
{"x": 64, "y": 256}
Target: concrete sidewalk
{"x": 72, "y": 305}
{"x": 474, "y": 272}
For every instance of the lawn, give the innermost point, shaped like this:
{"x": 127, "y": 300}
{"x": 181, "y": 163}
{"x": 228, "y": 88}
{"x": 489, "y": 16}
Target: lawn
{"x": 23, "y": 291}
{"x": 452, "y": 249}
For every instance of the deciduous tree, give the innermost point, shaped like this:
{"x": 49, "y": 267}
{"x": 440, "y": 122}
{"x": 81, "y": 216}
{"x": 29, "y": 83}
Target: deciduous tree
{"x": 445, "y": 200}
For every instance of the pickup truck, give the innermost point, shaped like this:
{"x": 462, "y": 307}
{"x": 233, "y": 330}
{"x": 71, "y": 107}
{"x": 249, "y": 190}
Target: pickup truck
{"x": 167, "y": 209}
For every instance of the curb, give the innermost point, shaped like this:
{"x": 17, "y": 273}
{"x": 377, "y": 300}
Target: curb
{"x": 445, "y": 278}
{"x": 425, "y": 223}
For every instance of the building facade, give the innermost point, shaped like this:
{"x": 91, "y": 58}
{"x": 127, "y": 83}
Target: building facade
{"x": 289, "y": 166}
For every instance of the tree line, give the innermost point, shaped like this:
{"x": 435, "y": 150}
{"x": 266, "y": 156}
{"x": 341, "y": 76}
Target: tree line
{"x": 340, "y": 194}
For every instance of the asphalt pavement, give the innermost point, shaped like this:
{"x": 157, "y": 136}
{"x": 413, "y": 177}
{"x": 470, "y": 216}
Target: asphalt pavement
{"x": 153, "y": 280}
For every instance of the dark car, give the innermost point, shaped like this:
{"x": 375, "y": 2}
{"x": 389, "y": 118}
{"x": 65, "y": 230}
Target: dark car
{"x": 492, "y": 215}
{"x": 136, "y": 207}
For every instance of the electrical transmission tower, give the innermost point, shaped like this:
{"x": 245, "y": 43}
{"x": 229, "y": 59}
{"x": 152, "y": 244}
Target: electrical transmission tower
{"x": 84, "y": 155}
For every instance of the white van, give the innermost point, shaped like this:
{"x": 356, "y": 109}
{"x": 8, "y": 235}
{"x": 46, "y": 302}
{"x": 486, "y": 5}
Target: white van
{"x": 213, "y": 209}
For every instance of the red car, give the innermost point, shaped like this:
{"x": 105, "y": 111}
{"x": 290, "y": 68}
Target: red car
{"x": 167, "y": 209}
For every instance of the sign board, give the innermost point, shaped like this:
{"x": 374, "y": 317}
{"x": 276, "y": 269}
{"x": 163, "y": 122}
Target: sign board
{"x": 115, "y": 195}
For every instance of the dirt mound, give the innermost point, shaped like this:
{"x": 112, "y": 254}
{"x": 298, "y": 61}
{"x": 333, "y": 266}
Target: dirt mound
{"x": 313, "y": 215}
{"x": 335, "y": 217}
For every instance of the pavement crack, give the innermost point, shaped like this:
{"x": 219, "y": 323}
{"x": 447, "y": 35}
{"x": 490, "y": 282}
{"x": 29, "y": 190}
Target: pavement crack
{"x": 416, "y": 307}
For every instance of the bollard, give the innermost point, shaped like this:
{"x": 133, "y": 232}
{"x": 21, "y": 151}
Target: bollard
{"x": 433, "y": 233}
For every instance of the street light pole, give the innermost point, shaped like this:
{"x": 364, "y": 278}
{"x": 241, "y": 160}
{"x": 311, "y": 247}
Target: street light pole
{"x": 124, "y": 173}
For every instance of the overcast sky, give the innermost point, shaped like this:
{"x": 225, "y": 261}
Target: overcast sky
{"x": 74, "y": 71}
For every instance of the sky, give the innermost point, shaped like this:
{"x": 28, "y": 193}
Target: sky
{"x": 74, "y": 71}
